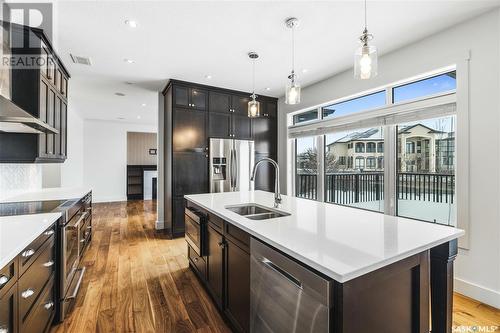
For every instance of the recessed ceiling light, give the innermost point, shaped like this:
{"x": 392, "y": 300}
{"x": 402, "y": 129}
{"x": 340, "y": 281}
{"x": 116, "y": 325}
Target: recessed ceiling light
{"x": 267, "y": 89}
{"x": 305, "y": 70}
{"x": 130, "y": 61}
{"x": 138, "y": 117}
{"x": 119, "y": 94}
{"x": 208, "y": 76}
{"x": 143, "y": 104}
{"x": 131, "y": 23}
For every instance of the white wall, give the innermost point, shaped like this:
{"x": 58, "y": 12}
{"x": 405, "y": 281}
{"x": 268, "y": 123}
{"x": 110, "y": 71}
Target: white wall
{"x": 105, "y": 157}
{"x": 477, "y": 270}
{"x": 72, "y": 168}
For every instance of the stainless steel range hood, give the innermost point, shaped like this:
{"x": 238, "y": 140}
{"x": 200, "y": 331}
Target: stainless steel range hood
{"x": 13, "y": 119}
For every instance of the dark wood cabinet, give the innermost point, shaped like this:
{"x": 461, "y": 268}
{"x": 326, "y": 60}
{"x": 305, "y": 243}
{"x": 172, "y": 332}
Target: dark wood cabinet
{"x": 8, "y": 310}
{"x": 241, "y": 127}
{"x": 264, "y": 178}
{"x": 215, "y": 261}
{"x": 193, "y": 114}
{"x": 219, "y": 125}
{"x": 42, "y": 92}
{"x": 190, "y": 97}
{"x": 190, "y": 171}
{"x": 190, "y": 131}
{"x": 225, "y": 270}
{"x": 237, "y": 302}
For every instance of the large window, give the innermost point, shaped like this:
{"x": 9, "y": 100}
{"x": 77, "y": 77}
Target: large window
{"x": 409, "y": 146}
{"x": 425, "y": 179}
{"x": 350, "y": 183}
{"x": 306, "y": 168}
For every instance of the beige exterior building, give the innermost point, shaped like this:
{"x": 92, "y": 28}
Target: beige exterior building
{"x": 420, "y": 149}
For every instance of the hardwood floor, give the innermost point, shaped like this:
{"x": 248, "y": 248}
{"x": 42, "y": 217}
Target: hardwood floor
{"x": 137, "y": 280}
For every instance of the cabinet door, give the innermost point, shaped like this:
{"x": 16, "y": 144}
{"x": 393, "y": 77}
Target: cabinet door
{"x": 42, "y": 141}
{"x": 270, "y": 109}
{"x": 264, "y": 134}
{"x": 178, "y": 223}
{"x": 240, "y": 104}
{"x": 219, "y": 102}
{"x": 64, "y": 128}
{"x": 57, "y": 125}
{"x": 181, "y": 96}
{"x": 189, "y": 131}
{"x": 242, "y": 127}
{"x": 215, "y": 264}
{"x": 198, "y": 98}
{"x": 190, "y": 172}
{"x": 219, "y": 125}
{"x": 50, "y": 120}
{"x": 238, "y": 286}
{"x": 8, "y": 311}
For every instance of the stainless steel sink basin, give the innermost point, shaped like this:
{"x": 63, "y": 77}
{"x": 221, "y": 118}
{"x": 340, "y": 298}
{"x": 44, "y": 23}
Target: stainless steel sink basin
{"x": 256, "y": 212}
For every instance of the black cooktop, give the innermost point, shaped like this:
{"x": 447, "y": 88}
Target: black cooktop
{"x": 29, "y": 207}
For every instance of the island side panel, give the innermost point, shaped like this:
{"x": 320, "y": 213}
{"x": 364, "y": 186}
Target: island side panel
{"x": 392, "y": 299}
{"x": 442, "y": 258}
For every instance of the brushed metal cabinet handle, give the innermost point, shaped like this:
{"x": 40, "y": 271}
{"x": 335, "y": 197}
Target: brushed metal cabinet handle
{"x": 49, "y": 232}
{"x": 28, "y": 293}
{"x": 4, "y": 279}
{"x": 48, "y": 264}
{"x": 28, "y": 253}
{"x": 48, "y": 305}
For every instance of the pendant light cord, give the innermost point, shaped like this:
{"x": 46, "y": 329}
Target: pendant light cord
{"x": 253, "y": 76}
{"x": 293, "y": 50}
{"x": 366, "y": 24}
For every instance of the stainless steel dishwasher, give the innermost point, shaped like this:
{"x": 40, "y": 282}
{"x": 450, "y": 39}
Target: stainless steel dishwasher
{"x": 284, "y": 295}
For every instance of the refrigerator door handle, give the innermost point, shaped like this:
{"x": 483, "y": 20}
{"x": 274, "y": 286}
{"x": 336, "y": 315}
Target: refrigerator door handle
{"x": 231, "y": 179}
{"x": 235, "y": 170}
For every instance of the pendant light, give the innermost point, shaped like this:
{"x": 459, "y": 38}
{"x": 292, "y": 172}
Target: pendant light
{"x": 292, "y": 92}
{"x": 253, "y": 105}
{"x": 365, "y": 57}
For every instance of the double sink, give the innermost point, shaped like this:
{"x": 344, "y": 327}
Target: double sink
{"x": 256, "y": 212}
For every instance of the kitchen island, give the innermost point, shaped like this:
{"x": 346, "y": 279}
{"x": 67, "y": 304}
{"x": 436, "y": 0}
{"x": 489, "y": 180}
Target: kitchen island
{"x": 380, "y": 267}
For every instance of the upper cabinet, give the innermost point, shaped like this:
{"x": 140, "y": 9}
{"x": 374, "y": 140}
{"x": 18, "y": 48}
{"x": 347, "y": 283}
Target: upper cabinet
{"x": 191, "y": 98}
{"x": 228, "y": 116}
{"x": 42, "y": 91}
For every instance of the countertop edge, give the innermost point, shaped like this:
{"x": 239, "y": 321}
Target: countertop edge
{"x": 53, "y": 217}
{"x": 337, "y": 277}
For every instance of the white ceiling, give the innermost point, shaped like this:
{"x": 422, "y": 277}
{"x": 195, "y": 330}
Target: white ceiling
{"x": 190, "y": 39}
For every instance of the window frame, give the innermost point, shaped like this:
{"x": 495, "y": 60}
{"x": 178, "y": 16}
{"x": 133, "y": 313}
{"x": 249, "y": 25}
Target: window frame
{"x": 459, "y": 96}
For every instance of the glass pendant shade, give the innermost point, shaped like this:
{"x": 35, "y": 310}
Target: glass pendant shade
{"x": 292, "y": 93}
{"x": 253, "y": 108}
{"x": 365, "y": 62}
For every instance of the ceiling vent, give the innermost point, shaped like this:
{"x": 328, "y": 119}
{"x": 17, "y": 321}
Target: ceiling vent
{"x": 81, "y": 60}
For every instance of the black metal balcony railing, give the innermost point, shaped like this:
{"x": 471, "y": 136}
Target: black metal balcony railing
{"x": 348, "y": 188}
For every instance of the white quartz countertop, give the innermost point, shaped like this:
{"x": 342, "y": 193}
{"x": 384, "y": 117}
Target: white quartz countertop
{"x": 54, "y": 193}
{"x": 17, "y": 232}
{"x": 341, "y": 242}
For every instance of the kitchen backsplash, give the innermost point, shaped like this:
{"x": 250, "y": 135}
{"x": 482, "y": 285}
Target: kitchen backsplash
{"x": 17, "y": 178}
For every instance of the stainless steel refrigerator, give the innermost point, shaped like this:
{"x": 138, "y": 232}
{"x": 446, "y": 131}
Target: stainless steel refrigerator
{"x": 231, "y": 163}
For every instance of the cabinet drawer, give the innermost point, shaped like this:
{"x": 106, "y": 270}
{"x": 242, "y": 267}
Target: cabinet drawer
{"x": 32, "y": 251}
{"x": 8, "y": 310}
{"x": 41, "y": 315}
{"x": 8, "y": 276}
{"x": 32, "y": 282}
{"x": 239, "y": 236}
{"x": 216, "y": 222}
{"x": 198, "y": 263}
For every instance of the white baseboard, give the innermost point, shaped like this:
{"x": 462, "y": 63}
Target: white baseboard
{"x": 107, "y": 199}
{"x": 479, "y": 293}
{"x": 159, "y": 225}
